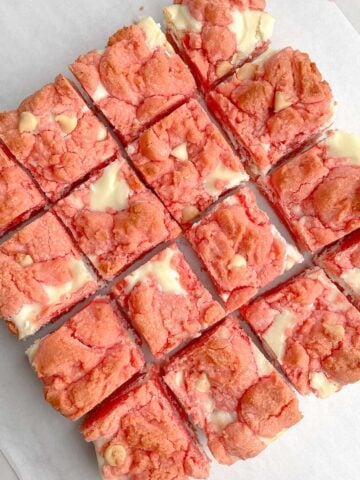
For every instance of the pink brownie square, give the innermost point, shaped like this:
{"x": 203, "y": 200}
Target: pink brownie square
{"x": 42, "y": 275}
{"x": 312, "y": 330}
{"x": 272, "y": 107}
{"x": 86, "y": 359}
{"x": 216, "y": 36}
{"x": 19, "y": 196}
{"x": 342, "y": 263}
{"x": 230, "y": 390}
{"x": 317, "y": 193}
{"x": 136, "y": 80}
{"x": 140, "y": 434}
{"x": 240, "y": 248}
{"x": 166, "y": 302}
{"x": 186, "y": 160}
{"x": 115, "y": 219}
{"x": 56, "y": 137}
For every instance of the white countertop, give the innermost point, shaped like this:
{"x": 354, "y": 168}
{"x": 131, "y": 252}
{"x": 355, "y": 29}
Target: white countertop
{"x": 16, "y": 84}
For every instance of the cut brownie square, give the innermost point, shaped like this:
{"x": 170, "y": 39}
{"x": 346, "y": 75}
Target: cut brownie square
{"x": 312, "y": 330}
{"x": 166, "y": 302}
{"x": 139, "y": 433}
{"x": 86, "y": 359}
{"x": 42, "y": 275}
{"x": 56, "y": 137}
{"x": 19, "y": 196}
{"x": 318, "y": 192}
{"x": 115, "y": 219}
{"x": 272, "y": 107}
{"x": 342, "y": 263}
{"x": 186, "y": 160}
{"x": 136, "y": 80}
{"x": 240, "y": 248}
{"x": 216, "y": 36}
{"x": 231, "y": 391}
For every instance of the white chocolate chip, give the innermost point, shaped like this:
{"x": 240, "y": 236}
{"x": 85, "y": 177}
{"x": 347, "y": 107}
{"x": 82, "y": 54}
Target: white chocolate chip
{"x": 237, "y": 261}
{"x": 27, "y": 122}
{"x": 281, "y": 102}
{"x": 66, "y": 123}
{"x": 102, "y": 132}
{"x": 222, "y": 418}
{"x": 179, "y": 378}
{"x": 202, "y": 384}
{"x": 246, "y": 72}
{"x": 322, "y": 385}
{"x": 180, "y": 152}
{"x": 189, "y": 213}
{"x": 115, "y": 455}
{"x": 223, "y": 68}
{"x": 24, "y": 260}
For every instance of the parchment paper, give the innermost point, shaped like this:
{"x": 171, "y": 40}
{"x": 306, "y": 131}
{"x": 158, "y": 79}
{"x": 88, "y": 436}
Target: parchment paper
{"x": 38, "y": 39}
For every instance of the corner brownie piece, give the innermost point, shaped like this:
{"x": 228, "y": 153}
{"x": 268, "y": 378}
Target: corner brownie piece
{"x": 136, "y": 80}
{"x": 312, "y": 330}
{"x": 139, "y": 434}
{"x": 186, "y": 160}
{"x": 56, "y": 137}
{"x": 166, "y": 302}
{"x": 272, "y": 107}
{"x": 86, "y": 359}
{"x": 231, "y": 391}
{"x": 317, "y": 193}
{"x": 240, "y": 248}
{"x": 115, "y": 219}
{"x": 19, "y": 196}
{"x": 342, "y": 263}
{"x": 216, "y": 36}
{"x": 42, "y": 275}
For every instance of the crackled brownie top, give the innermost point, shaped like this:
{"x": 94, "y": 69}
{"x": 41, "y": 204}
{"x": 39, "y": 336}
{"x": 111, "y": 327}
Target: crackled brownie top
{"x": 41, "y": 276}
{"x": 86, "y": 359}
{"x": 18, "y": 194}
{"x": 185, "y": 159}
{"x": 115, "y": 219}
{"x": 138, "y": 434}
{"x": 312, "y": 330}
{"x": 137, "y": 79}
{"x": 229, "y": 389}
{"x": 55, "y": 135}
{"x": 218, "y": 35}
{"x": 273, "y": 106}
{"x": 240, "y": 248}
{"x": 342, "y": 263}
{"x": 166, "y": 301}
{"x": 318, "y": 192}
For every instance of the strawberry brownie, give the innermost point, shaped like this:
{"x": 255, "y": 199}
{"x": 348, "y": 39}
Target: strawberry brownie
{"x": 312, "y": 330}
{"x": 56, "y": 137}
{"x": 318, "y": 192}
{"x": 230, "y": 390}
{"x": 272, "y": 107}
{"x": 216, "y": 36}
{"x": 115, "y": 219}
{"x": 19, "y": 196}
{"x": 42, "y": 275}
{"x": 86, "y": 359}
{"x": 186, "y": 160}
{"x": 136, "y": 79}
{"x": 241, "y": 249}
{"x": 166, "y": 302}
{"x": 140, "y": 434}
{"x": 342, "y": 263}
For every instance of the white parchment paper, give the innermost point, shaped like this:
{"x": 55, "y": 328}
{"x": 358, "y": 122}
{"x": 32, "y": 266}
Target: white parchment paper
{"x": 38, "y": 38}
